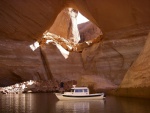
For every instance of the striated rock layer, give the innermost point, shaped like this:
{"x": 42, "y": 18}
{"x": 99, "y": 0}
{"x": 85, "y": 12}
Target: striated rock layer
{"x": 19, "y": 63}
{"x": 101, "y": 66}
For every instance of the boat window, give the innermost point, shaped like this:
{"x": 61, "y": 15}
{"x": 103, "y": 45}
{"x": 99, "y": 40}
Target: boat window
{"x": 78, "y": 90}
{"x": 85, "y": 90}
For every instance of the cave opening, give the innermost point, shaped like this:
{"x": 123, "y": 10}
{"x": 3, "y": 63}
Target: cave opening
{"x": 68, "y": 34}
{"x": 71, "y": 31}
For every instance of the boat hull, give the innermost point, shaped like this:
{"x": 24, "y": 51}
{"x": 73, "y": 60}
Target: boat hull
{"x": 79, "y": 97}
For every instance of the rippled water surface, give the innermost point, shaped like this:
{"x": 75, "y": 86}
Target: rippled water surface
{"x": 48, "y": 103}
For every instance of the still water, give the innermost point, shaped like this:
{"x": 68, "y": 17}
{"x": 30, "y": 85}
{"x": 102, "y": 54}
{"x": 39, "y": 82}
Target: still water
{"x": 48, "y": 103}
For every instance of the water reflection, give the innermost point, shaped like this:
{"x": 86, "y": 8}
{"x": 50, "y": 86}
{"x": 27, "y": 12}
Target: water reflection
{"x": 77, "y": 106}
{"x": 27, "y": 103}
{"x": 48, "y": 103}
{"x": 16, "y": 103}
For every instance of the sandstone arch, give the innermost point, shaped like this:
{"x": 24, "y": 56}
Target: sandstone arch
{"x": 30, "y": 19}
{"x": 27, "y": 20}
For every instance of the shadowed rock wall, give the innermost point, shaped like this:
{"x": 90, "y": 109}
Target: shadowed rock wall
{"x": 88, "y": 31}
{"x": 19, "y": 63}
{"x": 27, "y": 20}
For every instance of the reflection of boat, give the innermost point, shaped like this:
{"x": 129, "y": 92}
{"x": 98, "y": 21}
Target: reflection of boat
{"x": 78, "y": 106}
{"x": 79, "y": 93}
{"x": 73, "y": 105}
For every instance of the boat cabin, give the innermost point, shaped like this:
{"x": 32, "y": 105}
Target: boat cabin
{"x": 80, "y": 90}
{"x": 79, "y": 93}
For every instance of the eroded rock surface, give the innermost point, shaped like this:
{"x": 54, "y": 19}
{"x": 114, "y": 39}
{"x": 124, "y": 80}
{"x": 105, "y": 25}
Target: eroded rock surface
{"x": 24, "y": 60}
{"x": 102, "y": 65}
{"x": 19, "y": 63}
{"x": 65, "y": 25}
{"x": 136, "y": 82}
{"x": 88, "y": 31}
{"x": 125, "y": 26}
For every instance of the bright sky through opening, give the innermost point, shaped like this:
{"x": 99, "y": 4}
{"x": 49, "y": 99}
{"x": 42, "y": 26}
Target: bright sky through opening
{"x": 81, "y": 19}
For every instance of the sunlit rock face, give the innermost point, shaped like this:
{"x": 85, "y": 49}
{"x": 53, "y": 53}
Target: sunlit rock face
{"x": 65, "y": 25}
{"x": 139, "y": 71}
{"x": 136, "y": 82}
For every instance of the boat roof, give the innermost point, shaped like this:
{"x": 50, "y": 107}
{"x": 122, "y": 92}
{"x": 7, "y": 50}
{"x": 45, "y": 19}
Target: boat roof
{"x": 80, "y": 88}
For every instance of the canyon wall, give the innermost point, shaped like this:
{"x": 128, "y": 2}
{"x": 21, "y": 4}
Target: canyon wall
{"x": 101, "y": 66}
{"x": 88, "y": 31}
{"x": 19, "y": 63}
{"x": 136, "y": 82}
{"x": 22, "y": 60}
{"x": 65, "y": 25}
{"x": 125, "y": 26}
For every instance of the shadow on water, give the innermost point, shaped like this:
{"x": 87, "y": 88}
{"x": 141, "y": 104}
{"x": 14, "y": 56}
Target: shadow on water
{"x": 48, "y": 103}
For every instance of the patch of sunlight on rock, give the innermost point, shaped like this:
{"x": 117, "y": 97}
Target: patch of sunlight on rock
{"x": 34, "y": 46}
{"x": 81, "y": 19}
{"x": 48, "y": 41}
{"x": 64, "y": 52}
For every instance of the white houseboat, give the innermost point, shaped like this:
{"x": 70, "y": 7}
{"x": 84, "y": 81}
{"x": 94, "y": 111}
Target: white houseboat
{"x": 79, "y": 93}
